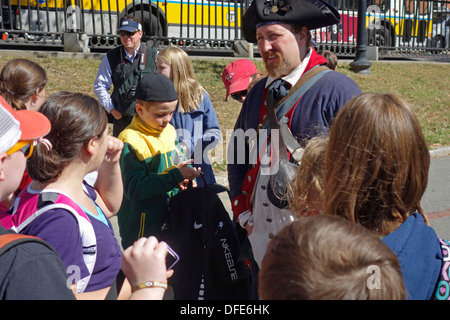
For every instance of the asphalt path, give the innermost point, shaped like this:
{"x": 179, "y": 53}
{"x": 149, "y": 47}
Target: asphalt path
{"x": 436, "y": 200}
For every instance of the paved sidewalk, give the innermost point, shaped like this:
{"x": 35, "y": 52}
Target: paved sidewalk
{"x": 436, "y": 200}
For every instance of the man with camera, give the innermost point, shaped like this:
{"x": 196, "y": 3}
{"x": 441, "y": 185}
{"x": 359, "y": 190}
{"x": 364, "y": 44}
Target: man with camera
{"x": 122, "y": 67}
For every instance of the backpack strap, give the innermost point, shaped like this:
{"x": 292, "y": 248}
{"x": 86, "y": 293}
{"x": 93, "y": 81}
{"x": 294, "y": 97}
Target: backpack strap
{"x": 277, "y": 111}
{"x": 9, "y": 240}
{"x": 296, "y": 92}
{"x": 30, "y": 206}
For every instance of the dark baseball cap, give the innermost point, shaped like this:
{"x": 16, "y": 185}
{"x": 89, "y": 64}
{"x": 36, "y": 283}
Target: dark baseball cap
{"x": 155, "y": 87}
{"x": 129, "y": 25}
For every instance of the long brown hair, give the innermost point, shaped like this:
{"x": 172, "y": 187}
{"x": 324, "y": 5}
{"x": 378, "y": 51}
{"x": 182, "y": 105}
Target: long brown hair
{"x": 19, "y": 80}
{"x": 377, "y": 163}
{"x": 76, "y": 118}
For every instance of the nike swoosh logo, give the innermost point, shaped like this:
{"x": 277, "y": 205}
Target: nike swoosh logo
{"x": 197, "y": 226}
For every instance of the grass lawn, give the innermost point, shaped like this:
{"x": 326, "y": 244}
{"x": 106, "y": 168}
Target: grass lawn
{"x": 426, "y": 86}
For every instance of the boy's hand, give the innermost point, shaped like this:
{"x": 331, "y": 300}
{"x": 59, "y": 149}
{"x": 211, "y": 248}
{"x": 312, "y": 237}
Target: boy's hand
{"x": 116, "y": 114}
{"x": 186, "y": 171}
{"x": 114, "y": 150}
{"x": 184, "y": 185}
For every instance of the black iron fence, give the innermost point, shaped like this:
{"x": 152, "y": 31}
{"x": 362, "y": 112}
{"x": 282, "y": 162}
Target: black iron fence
{"x": 393, "y": 27}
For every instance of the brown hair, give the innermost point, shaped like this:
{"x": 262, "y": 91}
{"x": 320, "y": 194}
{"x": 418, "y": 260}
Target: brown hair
{"x": 306, "y": 192}
{"x": 132, "y": 18}
{"x": 19, "y": 80}
{"x": 296, "y": 28}
{"x": 75, "y": 119}
{"x": 332, "y": 60}
{"x": 377, "y": 164}
{"x": 329, "y": 258}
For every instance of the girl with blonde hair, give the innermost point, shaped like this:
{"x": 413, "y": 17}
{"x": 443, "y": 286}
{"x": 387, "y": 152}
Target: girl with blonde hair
{"x": 194, "y": 119}
{"x": 306, "y": 193}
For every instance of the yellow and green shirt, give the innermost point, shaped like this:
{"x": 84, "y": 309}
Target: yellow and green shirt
{"x": 149, "y": 176}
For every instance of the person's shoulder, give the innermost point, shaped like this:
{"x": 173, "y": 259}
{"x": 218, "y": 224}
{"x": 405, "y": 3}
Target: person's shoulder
{"x": 338, "y": 76}
{"x": 27, "y": 250}
{"x": 340, "y": 81}
{"x": 128, "y": 135}
{"x": 260, "y": 84}
{"x": 36, "y": 264}
{"x": 113, "y": 55}
{"x": 34, "y": 248}
{"x": 114, "y": 50}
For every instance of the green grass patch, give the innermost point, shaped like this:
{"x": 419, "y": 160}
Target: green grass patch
{"x": 426, "y": 86}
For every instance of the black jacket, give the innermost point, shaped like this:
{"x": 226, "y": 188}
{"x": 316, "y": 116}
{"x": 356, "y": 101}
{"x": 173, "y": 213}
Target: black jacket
{"x": 199, "y": 228}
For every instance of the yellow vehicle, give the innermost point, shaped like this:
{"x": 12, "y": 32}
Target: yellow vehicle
{"x": 200, "y": 19}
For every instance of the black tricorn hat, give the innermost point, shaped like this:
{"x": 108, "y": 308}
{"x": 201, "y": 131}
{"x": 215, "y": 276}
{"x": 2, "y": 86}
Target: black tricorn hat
{"x": 312, "y": 14}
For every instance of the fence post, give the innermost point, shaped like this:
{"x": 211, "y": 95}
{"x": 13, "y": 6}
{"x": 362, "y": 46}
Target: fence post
{"x": 361, "y": 64}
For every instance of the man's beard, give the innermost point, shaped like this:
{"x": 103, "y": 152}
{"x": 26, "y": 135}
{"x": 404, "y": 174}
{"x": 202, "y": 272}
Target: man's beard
{"x": 275, "y": 70}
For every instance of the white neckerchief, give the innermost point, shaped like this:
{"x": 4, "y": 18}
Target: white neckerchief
{"x": 295, "y": 74}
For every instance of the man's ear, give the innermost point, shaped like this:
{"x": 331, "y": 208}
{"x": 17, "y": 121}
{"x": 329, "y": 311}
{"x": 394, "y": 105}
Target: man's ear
{"x": 3, "y": 156}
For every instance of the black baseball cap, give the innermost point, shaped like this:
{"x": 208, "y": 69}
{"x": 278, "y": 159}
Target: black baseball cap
{"x": 155, "y": 87}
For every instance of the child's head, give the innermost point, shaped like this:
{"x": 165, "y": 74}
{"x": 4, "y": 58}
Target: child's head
{"x": 377, "y": 163}
{"x": 306, "y": 194}
{"x": 329, "y": 258}
{"x": 237, "y": 76}
{"x": 156, "y": 100}
{"x": 22, "y": 84}
{"x": 76, "y": 119}
{"x": 175, "y": 64}
{"x": 18, "y": 135}
{"x": 332, "y": 60}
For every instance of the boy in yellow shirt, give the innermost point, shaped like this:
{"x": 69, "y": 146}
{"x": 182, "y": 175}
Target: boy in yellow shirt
{"x": 151, "y": 161}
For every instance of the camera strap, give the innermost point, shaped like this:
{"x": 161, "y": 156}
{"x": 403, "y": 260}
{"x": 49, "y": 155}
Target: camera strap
{"x": 141, "y": 61}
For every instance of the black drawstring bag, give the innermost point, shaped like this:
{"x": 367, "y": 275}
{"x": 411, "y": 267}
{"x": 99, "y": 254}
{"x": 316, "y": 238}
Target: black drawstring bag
{"x": 199, "y": 228}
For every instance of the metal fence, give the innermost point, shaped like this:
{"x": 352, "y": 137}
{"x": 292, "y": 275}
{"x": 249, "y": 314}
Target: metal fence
{"x": 393, "y": 27}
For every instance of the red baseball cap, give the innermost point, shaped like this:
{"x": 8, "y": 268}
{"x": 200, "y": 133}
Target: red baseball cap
{"x": 236, "y": 75}
{"x": 18, "y": 125}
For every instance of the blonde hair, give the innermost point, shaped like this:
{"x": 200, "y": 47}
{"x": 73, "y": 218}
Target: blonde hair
{"x": 377, "y": 163}
{"x": 306, "y": 191}
{"x": 190, "y": 92}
